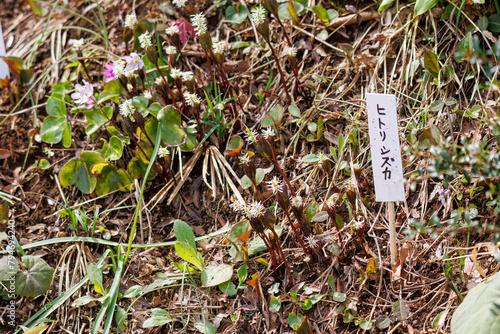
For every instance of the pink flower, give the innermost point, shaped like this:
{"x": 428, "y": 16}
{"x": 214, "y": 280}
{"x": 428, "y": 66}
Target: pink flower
{"x": 134, "y": 62}
{"x": 84, "y": 94}
{"x": 108, "y": 73}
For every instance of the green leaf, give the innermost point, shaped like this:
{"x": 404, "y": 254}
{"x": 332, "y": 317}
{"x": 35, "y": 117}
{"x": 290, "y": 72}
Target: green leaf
{"x": 431, "y": 63}
{"x": 159, "y": 317}
{"x": 171, "y": 131}
{"x": 478, "y": 312}
{"x": 257, "y": 245}
{"x": 44, "y": 164}
{"x": 311, "y": 210}
{"x": 494, "y": 23}
{"x": 121, "y": 318}
{"x": 52, "y": 129}
{"x": 295, "y": 320}
{"x": 294, "y": 111}
{"x": 320, "y": 216}
{"x": 422, "y": 6}
{"x": 184, "y": 233}
{"x": 332, "y": 16}
{"x": 229, "y": 288}
{"x": 383, "y": 322}
{"x": 205, "y": 327}
{"x": 274, "y": 305}
{"x": 483, "y": 23}
{"x": 384, "y": 4}
{"x": 187, "y": 253}
{"x": 310, "y": 158}
{"x": 112, "y": 91}
{"x": 36, "y": 280}
{"x": 273, "y": 117}
{"x": 436, "y": 106}
{"x": 465, "y": 49}
{"x": 94, "y": 273}
{"x": 321, "y": 13}
{"x": 55, "y": 105}
{"x": 242, "y": 274}
{"x": 308, "y": 303}
{"x": 84, "y": 300}
{"x": 215, "y": 275}
{"x": 133, "y": 291}
{"x": 234, "y": 147}
{"x": 111, "y": 178}
{"x": 9, "y": 266}
{"x": 401, "y": 310}
{"x": 114, "y": 132}
{"x": 236, "y": 16}
{"x": 95, "y": 117}
{"x": 339, "y": 297}
{"x": 74, "y": 171}
{"x": 66, "y": 139}
{"x": 365, "y": 324}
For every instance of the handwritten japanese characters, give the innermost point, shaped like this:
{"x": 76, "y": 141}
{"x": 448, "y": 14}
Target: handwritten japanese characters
{"x": 385, "y": 148}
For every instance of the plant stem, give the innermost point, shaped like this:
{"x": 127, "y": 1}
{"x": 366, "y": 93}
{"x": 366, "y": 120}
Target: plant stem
{"x": 306, "y": 250}
{"x": 279, "y": 69}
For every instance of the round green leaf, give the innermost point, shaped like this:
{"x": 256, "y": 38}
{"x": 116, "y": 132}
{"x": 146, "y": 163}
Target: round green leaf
{"x": 170, "y": 121}
{"x": 52, "y": 129}
{"x": 36, "y": 280}
{"x": 44, "y": 164}
{"x": 273, "y": 117}
{"x": 55, "y": 106}
{"x": 215, "y": 275}
{"x": 274, "y": 304}
{"x": 236, "y": 15}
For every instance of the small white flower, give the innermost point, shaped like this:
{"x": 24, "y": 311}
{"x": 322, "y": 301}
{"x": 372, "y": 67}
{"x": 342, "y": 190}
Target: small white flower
{"x": 244, "y": 159}
{"x": 131, "y": 21}
{"x": 238, "y": 206}
{"x": 130, "y": 87}
{"x": 256, "y": 209}
{"x": 129, "y": 74}
{"x": 218, "y": 48}
{"x": 199, "y": 23}
{"x": 268, "y": 132}
{"x": 78, "y": 43}
{"x": 172, "y": 30}
{"x": 127, "y": 109}
{"x": 145, "y": 40}
{"x": 147, "y": 95}
{"x": 251, "y": 136}
{"x": 191, "y": 99}
{"x": 163, "y": 152}
{"x": 311, "y": 240}
{"x": 358, "y": 224}
{"x": 220, "y": 106}
{"x": 119, "y": 67}
{"x": 258, "y": 15}
{"x": 159, "y": 81}
{"x": 179, "y": 3}
{"x": 296, "y": 201}
{"x": 170, "y": 50}
{"x": 49, "y": 152}
{"x": 291, "y": 51}
{"x": 321, "y": 158}
{"x": 331, "y": 202}
{"x": 187, "y": 76}
{"x": 274, "y": 185}
{"x": 175, "y": 73}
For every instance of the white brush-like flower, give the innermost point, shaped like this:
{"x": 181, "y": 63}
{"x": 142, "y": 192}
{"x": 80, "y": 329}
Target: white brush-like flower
{"x": 238, "y": 206}
{"x": 291, "y": 51}
{"x": 187, "y": 76}
{"x": 175, "y": 73}
{"x": 218, "y": 48}
{"x": 127, "y": 109}
{"x": 274, "y": 185}
{"x": 268, "y": 132}
{"x": 191, "y": 99}
{"x": 296, "y": 201}
{"x": 172, "y": 30}
{"x": 256, "y": 209}
{"x": 170, "y": 50}
{"x": 147, "y": 94}
{"x": 119, "y": 67}
{"x": 251, "y": 136}
{"x": 130, "y": 87}
{"x": 163, "y": 152}
{"x": 179, "y": 3}
{"x": 358, "y": 224}
{"x": 220, "y": 106}
{"x": 311, "y": 240}
{"x": 49, "y": 152}
{"x": 244, "y": 159}
{"x": 199, "y": 23}
{"x": 258, "y": 15}
{"x": 129, "y": 74}
{"x": 159, "y": 81}
{"x": 321, "y": 158}
{"x": 145, "y": 40}
{"x": 78, "y": 43}
{"x": 131, "y": 21}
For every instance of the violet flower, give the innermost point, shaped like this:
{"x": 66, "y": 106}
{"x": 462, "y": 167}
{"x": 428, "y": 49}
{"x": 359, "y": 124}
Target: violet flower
{"x": 134, "y": 62}
{"x": 84, "y": 94}
{"x": 108, "y": 73}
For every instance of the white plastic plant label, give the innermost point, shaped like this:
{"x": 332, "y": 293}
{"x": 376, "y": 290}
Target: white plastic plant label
{"x": 4, "y": 69}
{"x": 385, "y": 148}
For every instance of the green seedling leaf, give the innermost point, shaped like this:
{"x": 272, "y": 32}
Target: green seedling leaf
{"x": 237, "y": 16}
{"x": 55, "y": 105}
{"x": 63, "y": 88}
{"x": 159, "y": 317}
{"x": 205, "y": 327}
{"x": 422, "y": 6}
{"x": 239, "y": 45}
{"x": 184, "y": 233}
{"x": 234, "y": 147}
{"x": 274, "y": 305}
{"x": 184, "y": 268}
{"x": 36, "y": 280}
{"x": 121, "y": 318}
{"x": 311, "y": 210}
{"x": 431, "y": 64}
{"x": 82, "y": 301}
{"x": 321, "y": 13}
{"x": 114, "y": 132}
{"x": 273, "y": 117}
{"x": 294, "y": 320}
{"x": 332, "y": 16}
{"x": 436, "y": 106}
{"x": 339, "y": 297}
{"x": 133, "y": 291}
{"x": 242, "y": 274}
{"x": 465, "y": 49}
{"x": 320, "y": 216}
{"x": 187, "y": 253}
{"x": 384, "y": 4}
{"x": 257, "y": 245}
{"x": 112, "y": 91}
{"x": 473, "y": 112}
{"x": 141, "y": 105}
{"x": 292, "y": 10}
{"x": 94, "y": 273}
{"x": 77, "y": 171}
{"x": 445, "y": 76}
{"x": 308, "y": 303}
{"x": 365, "y": 324}
{"x": 239, "y": 229}
{"x": 97, "y": 117}
{"x": 215, "y": 275}
{"x": 44, "y": 164}
{"x": 229, "y": 288}
{"x": 401, "y": 310}
{"x": 294, "y": 111}
{"x": 171, "y": 132}
{"x": 9, "y": 266}
{"x": 383, "y": 322}
{"x": 259, "y": 177}
{"x": 478, "y": 312}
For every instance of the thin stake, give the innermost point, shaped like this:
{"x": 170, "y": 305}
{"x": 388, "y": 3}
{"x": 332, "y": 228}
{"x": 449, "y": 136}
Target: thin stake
{"x": 392, "y": 232}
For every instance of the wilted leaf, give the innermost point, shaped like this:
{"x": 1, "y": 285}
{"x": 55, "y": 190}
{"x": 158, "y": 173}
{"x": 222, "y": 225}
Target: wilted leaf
{"x": 215, "y": 275}
{"x": 273, "y": 117}
{"x": 401, "y": 310}
{"x": 431, "y": 63}
{"x": 234, "y": 147}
